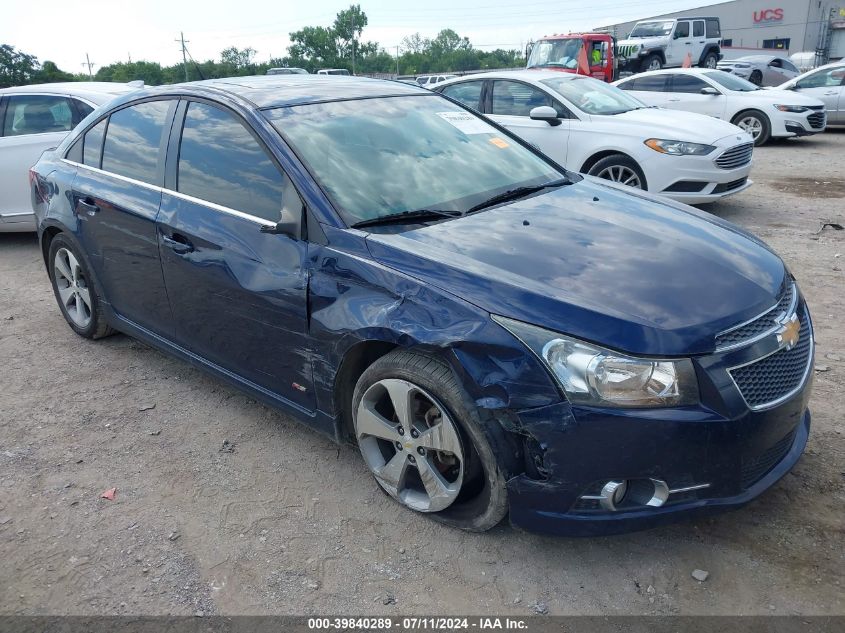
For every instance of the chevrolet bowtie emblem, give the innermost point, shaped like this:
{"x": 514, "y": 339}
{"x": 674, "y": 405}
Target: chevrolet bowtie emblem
{"x": 790, "y": 332}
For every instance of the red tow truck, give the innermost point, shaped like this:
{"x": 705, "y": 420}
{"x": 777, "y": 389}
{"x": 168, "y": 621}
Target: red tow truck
{"x": 591, "y": 54}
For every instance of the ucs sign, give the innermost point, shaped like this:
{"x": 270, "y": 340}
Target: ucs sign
{"x": 767, "y": 16}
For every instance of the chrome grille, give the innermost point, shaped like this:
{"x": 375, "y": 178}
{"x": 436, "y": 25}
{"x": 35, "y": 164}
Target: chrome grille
{"x": 774, "y": 378}
{"x": 816, "y": 119}
{"x": 763, "y": 325}
{"x": 736, "y": 156}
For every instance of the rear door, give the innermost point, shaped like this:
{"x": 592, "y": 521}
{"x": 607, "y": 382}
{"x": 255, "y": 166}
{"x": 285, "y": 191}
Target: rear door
{"x": 509, "y": 103}
{"x": 116, "y": 196}
{"x": 685, "y": 94}
{"x": 697, "y": 41}
{"x": 32, "y": 123}
{"x": 238, "y": 294}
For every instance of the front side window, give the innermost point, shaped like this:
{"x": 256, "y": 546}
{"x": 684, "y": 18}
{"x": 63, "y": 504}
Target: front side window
{"x": 688, "y": 83}
{"x": 682, "y": 30}
{"x": 220, "y": 161}
{"x": 513, "y": 98}
{"x": 468, "y": 93}
{"x": 132, "y": 141}
{"x": 593, "y": 96}
{"x": 377, "y": 157}
{"x": 824, "y": 78}
{"x": 37, "y": 114}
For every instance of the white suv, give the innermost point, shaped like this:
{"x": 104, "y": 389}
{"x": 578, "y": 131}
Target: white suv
{"x": 656, "y": 44}
{"x": 427, "y": 81}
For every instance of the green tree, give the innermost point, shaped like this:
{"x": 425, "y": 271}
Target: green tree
{"x": 16, "y": 67}
{"x": 50, "y": 73}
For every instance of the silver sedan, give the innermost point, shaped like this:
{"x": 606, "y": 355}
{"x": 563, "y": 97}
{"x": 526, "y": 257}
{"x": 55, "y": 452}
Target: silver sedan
{"x": 762, "y": 70}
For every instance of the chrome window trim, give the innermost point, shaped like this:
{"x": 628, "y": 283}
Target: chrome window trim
{"x": 177, "y": 194}
{"x": 802, "y": 383}
{"x": 793, "y": 306}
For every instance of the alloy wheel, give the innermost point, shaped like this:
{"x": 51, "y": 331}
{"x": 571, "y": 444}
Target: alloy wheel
{"x": 72, "y": 288}
{"x": 710, "y": 62}
{"x": 411, "y": 445}
{"x": 654, "y": 64}
{"x": 752, "y": 125}
{"x": 621, "y": 174}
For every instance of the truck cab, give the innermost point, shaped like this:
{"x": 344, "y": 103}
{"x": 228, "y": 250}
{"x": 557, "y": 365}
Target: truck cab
{"x": 670, "y": 43}
{"x": 590, "y": 54}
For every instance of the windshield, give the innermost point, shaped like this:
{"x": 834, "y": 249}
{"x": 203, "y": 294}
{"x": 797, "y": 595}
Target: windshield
{"x": 593, "y": 96}
{"x": 731, "y": 82}
{"x": 561, "y": 53}
{"x": 377, "y": 157}
{"x": 652, "y": 29}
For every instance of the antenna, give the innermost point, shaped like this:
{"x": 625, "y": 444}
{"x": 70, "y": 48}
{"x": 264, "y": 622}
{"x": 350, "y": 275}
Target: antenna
{"x": 90, "y": 65}
{"x": 184, "y": 54}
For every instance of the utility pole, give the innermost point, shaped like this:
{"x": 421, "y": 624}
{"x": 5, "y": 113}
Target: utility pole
{"x": 352, "y": 20}
{"x": 397, "y": 61}
{"x": 184, "y": 55}
{"x": 90, "y": 65}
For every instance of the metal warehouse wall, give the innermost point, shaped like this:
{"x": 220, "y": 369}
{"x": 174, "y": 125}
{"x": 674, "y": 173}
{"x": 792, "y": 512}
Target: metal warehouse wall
{"x": 748, "y": 22}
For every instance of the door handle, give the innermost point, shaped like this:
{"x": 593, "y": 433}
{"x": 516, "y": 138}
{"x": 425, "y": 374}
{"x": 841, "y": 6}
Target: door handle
{"x": 178, "y": 243}
{"x": 87, "y": 206}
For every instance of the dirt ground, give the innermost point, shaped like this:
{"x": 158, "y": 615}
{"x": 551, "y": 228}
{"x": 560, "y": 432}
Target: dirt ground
{"x": 289, "y": 523}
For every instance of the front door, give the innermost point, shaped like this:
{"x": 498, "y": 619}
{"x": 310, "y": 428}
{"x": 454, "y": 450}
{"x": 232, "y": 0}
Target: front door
{"x": 116, "y": 196}
{"x": 510, "y": 104}
{"x": 679, "y": 45}
{"x": 238, "y": 294}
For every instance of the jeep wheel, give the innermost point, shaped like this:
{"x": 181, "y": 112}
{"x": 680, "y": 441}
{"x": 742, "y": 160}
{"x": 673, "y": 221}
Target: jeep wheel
{"x": 652, "y": 62}
{"x": 709, "y": 61}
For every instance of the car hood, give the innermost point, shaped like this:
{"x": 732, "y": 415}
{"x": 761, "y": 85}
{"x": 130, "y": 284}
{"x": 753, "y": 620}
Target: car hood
{"x": 588, "y": 260}
{"x": 647, "y": 42}
{"x": 659, "y": 123}
{"x": 775, "y": 95}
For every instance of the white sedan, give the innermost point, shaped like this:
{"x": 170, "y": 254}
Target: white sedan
{"x": 762, "y": 113}
{"x": 826, "y": 83}
{"x": 36, "y": 118}
{"x": 591, "y": 127}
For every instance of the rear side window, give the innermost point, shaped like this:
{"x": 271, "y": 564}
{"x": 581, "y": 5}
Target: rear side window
{"x": 37, "y": 114}
{"x": 82, "y": 110}
{"x": 220, "y": 161}
{"x": 713, "y": 29}
{"x": 132, "y": 143}
{"x": 653, "y": 83}
{"x": 698, "y": 28}
{"x": 468, "y": 93}
{"x": 688, "y": 84}
{"x": 93, "y": 145}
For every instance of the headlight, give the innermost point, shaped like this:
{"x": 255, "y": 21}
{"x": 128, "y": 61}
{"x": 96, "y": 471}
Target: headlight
{"x": 593, "y": 375}
{"x": 678, "y": 148}
{"x": 791, "y": 108}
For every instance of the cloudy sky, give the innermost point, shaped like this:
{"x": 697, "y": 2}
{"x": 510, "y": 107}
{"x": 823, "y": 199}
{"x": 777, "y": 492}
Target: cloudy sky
{"x": 114, "y": 30}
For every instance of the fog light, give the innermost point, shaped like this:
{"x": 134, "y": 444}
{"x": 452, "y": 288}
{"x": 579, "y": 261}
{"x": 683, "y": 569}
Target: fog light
{"x": 612, "y": 494}
{"x": 630, "y": 494}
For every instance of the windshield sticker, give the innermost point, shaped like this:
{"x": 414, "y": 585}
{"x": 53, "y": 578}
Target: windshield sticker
{"x": 500, "y": 143}
{"x": 467, "y": 123}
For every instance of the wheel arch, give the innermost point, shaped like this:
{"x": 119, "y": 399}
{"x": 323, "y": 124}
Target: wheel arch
{"x": 710, "y": 48}
{"x": 605, "y": 153}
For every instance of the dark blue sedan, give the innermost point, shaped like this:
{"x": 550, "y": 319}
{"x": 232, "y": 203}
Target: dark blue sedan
{"x": 496, "y": 334}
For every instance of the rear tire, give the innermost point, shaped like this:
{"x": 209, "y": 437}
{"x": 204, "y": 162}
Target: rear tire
{"x": 468, "y": 485}
{"x": 756, "y": 124}
{"x": 621, "y": 169}
{"x": 710, "y": 60}
{"x": 76, "y": 290}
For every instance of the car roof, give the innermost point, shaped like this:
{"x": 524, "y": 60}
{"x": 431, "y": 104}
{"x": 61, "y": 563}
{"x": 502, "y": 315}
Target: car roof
{"x": 273, "y": 91}
{"x": 73, "y": 88}
{"x": 757, "y": 57}
{"x": 522, "y": 75}
{"x": 672, "y": 71}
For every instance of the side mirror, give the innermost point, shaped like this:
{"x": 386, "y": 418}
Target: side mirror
{"x": 288, "y": 225}
{"x": 545, "y": 113}
{"x": 710, "y": 90}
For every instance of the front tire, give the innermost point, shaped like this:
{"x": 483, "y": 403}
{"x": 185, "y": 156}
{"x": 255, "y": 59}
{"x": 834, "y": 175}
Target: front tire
{"x": 756, "y": 78}
{"x": 424, "y": 443}
{"x": 75, "y": 290}
{"x": 652, "y": 62}
{"x": 756, "y": 124}
{"x": 620, "y": 168}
